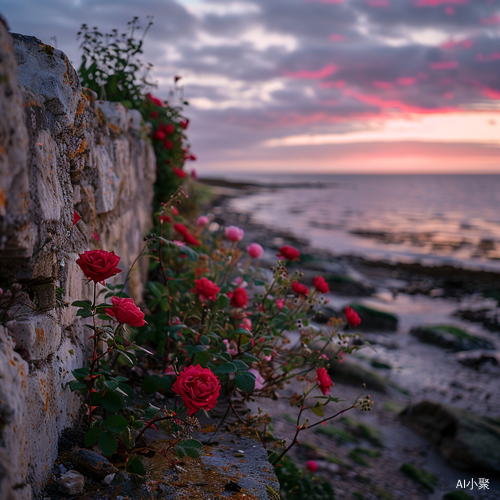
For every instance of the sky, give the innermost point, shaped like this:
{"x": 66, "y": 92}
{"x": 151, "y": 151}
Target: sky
{"x": 341, "y": 86}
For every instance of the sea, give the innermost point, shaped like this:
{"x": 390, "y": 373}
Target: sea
{"x": 432, "y": 219}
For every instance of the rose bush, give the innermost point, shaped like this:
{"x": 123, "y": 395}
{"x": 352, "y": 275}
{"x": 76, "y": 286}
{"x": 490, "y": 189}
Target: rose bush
{"x": 198, "y": 388}
{"x": 288, "y": 253}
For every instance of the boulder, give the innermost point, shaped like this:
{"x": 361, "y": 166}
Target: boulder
{"x": 467, "y": 441}
{"x": 92, "y": 464}
{"x": 71, "y": 483}
{"x": 450, "y": 337}
{"x": 476, "y": 359}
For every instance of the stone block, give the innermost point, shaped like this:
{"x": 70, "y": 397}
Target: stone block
{"x": 115, "y": 112}
{"x": 48, "y": 73}
{"x": 108, "y": 182}
{"x": 134, "y": 118}
{"x": 39, "y": 335}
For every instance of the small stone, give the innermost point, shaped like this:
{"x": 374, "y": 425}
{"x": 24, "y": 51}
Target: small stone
{"x": 108, "y": 479}
{"x": 92, "y": 464}
{"x": 71, "y": 483}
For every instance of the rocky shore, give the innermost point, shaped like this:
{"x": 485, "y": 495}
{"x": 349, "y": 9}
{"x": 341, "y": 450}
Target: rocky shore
{"x": 433, "y": 371}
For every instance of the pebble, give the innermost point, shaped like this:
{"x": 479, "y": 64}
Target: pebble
{"x": 71, "y": 483}
{"x": 108, "y": 479}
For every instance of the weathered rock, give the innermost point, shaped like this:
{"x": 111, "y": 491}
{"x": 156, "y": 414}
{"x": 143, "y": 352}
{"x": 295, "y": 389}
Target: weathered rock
{"x": 450, "y": 337}
{"x": 108, "y": 479}
{"x": 476, "y": 359}
{"x": 92, "y": 464}
{"x": 348, "y": 286}
{"x": 71, "y": 483}
{"x": 466, "y": 440}
{"x": 375, "y": 320}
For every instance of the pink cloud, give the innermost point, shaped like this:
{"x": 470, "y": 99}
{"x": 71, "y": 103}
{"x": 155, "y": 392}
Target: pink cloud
{"x": 378, "y": 3}
{"x": 437, "y": 3}
{"x": 322, "y": 73}
{"x": 383, "y": 85}
{"x": 328, "y": 85}
{"x": 449, "y": 11}
{"x": 407, "y": 81}
{"x": 336, "y": 37}
{"x": 326, "y": 1}
{"x": 444, "y": 65}
{"x": 491, "y": 93}
{"x": 448, "y": 95}
{"x": 394, "y": 104}
{"x": 490, "y": 57}
{"x": 490, "y": 21}
{"x": 452, "y": 44}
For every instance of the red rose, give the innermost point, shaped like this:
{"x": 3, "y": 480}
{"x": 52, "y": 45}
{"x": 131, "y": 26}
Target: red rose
{"x": 198, "y": 387}
{"x": 352, "y": 317}
{"x": 181, "y": 228}
{"x": 98, "y": 265}
{"x": 153, "y": 114}
{"x": 312, "y": 466}
{"x": 184, "y": 124}
{"x": 168, "y": 144}
{"x": 289, "y": 253}
{"x": 324, "y": 381}
{"x": 159, "y": 135}
{"x": 154, "y": 100}
{"x": 239, "y": 298}
{"x": 321, "y": 285}
{"x": 300, "y": 288}
{"x": 76, "y": 217}
{"x": 191, "y": 240}
{"x": 165, "y": 218}
{"x": 125, "y": 311}
{"x": 169, "y": 129}
{"x": 205, "y": 289}
{"x": 188, "y": 237}
{"x": 179, "y": 172}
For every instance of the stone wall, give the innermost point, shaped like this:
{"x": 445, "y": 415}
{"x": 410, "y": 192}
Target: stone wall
{"x": 60, "y": 150}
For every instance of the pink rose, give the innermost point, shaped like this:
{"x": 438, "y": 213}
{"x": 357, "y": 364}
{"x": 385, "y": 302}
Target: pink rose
{"x": 198, "y": 387}
{"x": 234, "y": 233}
{"x": 259, "y": 379}
{"x": 231, "y": 347}
{"x": 255, "y": 250}
{"x": 312, "y": 466}
{"x": 202, "y": 221}
{"x": 125, "y": 311}
{"x": 280, "y": 303}
{"x": 324, "y": 381}
{"x": 246, "y": 323}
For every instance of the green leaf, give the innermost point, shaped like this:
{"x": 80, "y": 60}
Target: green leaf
{"x": 189, "y": 253}
{"x": 202, "y": 358}
{"x": 108, "y": 443}
{"x": 126, "y": 389}
{"x": 75, "y": 385}
{"x": 245, "y": 382}
{"x": 242, "y": 331}
{"x": 249, "y": 358}
{"x": 151, "y": 384}
{"x": 179, "y": 450}
{"x": 240, "y": 365}
{"x": 222, "y": 301}
{"x": 111, "y": 401}
{"x": 318, "y": 410}
{"x": 84, "y": 304}
{"x": 92, "y": 436}
{"x": 192, "y": 447}
{"x": 111, "y": 384}
{"x": 157, "y": 289}
{"x": 166, "y": 383}
{"x": 84, "y": 313}
{"x": 137, "y": 465}
{"x": 259, "y": 283}
{"x": 227, "y": 367}
{"x": 115, "y": 423}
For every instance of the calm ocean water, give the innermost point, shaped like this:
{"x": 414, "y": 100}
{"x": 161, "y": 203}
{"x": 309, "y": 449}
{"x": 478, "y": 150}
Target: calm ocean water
{"x": 441, "y": 219}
